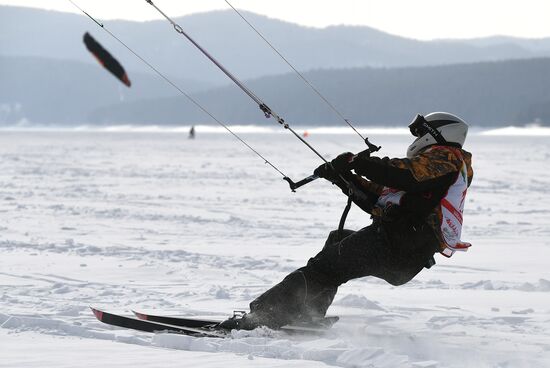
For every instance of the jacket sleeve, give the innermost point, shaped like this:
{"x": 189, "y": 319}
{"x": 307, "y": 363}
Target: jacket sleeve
{"x": 424, "y": 172}
{"x": 364, "y": 193}
{"x": 369, "y": 186}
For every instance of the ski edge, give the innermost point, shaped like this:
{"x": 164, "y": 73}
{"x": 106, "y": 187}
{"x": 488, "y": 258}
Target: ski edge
{"x": 152, "y": 327}
{"x": 328, "y": 322}
{"x": 176, "y": 321}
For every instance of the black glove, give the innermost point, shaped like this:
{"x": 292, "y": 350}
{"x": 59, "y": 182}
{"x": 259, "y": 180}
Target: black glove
{"x": 342, "y": 162}
{"x": 332, "y": 170}
{"x": 351, "y": 186}
{"x": 326, "y": 171}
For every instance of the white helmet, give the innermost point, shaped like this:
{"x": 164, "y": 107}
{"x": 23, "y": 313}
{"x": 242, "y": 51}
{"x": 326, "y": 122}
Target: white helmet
{"x": 437, "y": 128}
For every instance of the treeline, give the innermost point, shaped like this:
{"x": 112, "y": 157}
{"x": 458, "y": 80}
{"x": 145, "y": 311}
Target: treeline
{"x": 486, "y": 94}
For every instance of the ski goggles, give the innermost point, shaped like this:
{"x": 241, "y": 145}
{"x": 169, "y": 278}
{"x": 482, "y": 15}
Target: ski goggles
{"x": 420, "y": 127}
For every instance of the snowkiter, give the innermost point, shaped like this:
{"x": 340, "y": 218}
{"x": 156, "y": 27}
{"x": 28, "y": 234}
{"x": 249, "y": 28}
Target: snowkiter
{"x": 416, "y": 204}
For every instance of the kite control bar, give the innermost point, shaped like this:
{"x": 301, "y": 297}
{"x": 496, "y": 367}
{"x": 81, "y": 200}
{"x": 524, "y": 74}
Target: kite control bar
{"x": 366, "y": 153}
{"x": 294, "y": 186}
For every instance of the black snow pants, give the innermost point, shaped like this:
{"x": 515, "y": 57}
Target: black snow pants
{"x": 394, "y": 251}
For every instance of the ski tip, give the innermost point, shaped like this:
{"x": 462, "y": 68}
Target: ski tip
{"x": 97, "y": 313}
{"x": 140, "y": 315}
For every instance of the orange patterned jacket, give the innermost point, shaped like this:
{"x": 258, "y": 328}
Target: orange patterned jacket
{"x": 425, "y": 178}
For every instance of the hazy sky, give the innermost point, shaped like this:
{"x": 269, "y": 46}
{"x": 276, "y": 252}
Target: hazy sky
{"x": 421, "y": 19}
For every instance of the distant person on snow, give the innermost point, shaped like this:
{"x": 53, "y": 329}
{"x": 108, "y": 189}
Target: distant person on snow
{"x": 192, "y": 132}
{"x": 416, "y": 205}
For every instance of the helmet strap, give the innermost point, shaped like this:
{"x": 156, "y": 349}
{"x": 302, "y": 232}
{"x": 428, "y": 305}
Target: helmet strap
{"x": 434, "y": 133}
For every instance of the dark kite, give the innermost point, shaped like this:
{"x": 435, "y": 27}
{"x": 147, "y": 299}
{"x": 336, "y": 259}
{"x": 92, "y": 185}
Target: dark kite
{"x": 106, "y": 59}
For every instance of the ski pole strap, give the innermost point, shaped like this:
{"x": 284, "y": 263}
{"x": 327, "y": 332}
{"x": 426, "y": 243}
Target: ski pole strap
{"x": 343, "y": 219}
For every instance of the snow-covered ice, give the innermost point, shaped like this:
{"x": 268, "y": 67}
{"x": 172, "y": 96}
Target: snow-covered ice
{"x": 156, "y": 222}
